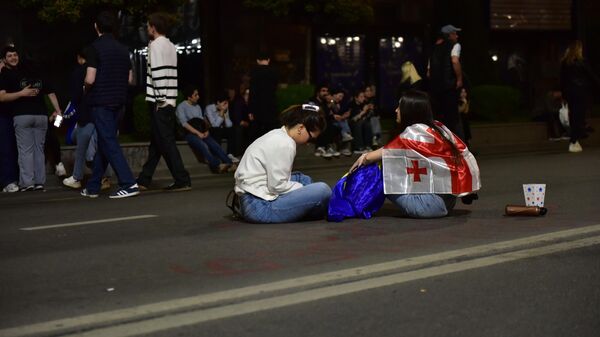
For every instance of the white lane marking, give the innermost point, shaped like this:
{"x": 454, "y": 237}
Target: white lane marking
{"x": 159, "y": 308}
{"x": 81, "y": 223}
{"x": 204, "y": 315}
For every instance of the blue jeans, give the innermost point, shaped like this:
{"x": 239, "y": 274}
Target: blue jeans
{"x": 210, "y": 150}
{"x": 109, "y": 150}
{"x": 86, "y": 139}
{"x": 423, "y": 205}
{"x": 309, "y": 202}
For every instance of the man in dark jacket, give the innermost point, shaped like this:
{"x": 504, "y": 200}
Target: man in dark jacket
{"x": 262, "y": 104}
{"x": 446, "y": 78}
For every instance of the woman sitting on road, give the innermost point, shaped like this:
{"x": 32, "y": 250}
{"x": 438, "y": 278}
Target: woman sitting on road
{"x": 426, "y": 166}
{"x": 268, "y": 190}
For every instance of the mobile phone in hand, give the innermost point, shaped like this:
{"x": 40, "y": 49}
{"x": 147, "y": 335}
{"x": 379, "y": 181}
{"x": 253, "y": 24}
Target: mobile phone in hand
{"x": 58, "y": 121}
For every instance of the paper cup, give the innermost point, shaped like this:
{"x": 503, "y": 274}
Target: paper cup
{"x": 534, "y": 194}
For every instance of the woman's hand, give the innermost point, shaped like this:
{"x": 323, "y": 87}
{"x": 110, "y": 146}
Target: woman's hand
{"x": 361, "y": 161}
{"x": 367, "y": 158}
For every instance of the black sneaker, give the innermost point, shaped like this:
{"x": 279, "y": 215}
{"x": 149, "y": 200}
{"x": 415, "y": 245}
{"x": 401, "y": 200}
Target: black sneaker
{"x": 39, "y": 187}
{"x": 27, "y": 189}
{"x": 177, "y": 188}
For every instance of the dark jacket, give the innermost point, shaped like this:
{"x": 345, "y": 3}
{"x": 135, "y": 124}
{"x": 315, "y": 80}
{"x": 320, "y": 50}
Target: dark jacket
{"x": 442, "y": 73}
{"x": 262, "y": 103}
{"x": 577, "y": 77}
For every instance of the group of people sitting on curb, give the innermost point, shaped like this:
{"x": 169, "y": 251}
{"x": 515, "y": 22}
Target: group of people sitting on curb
{"x": 353, "y": 122}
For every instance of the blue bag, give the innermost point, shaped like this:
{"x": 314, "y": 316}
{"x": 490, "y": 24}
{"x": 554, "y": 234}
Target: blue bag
{"x": 357, "y": 195}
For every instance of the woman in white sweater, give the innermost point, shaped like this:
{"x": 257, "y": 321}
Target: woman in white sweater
{"x": 269, "y": 192}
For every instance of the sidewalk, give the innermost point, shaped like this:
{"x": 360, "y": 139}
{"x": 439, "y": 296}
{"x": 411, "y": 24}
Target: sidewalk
{"x": 488, "y": 140}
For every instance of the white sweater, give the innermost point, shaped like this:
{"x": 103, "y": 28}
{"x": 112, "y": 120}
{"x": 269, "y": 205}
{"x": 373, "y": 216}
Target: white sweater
{"x": 266, "y": 167}
{"x": 161, "y": 75}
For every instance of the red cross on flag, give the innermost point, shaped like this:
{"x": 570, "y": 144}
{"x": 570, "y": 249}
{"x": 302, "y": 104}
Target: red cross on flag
{"x": 419, "y": 160}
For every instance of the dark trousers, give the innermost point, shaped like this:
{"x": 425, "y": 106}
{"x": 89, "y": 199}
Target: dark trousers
{"x": 109, "y": 150}
{"x": 225, "y": 133}
{"x": 445, "y": 109}
{"x": 259, "y": 128}
{"x": 579, "y": 104}
{"x": 52, "y": 145}
{"x": 9, "y": 169}
{"x": 162, "y": 144}
{"x": 362, "y": 132}
{"x": 329, "y": 135}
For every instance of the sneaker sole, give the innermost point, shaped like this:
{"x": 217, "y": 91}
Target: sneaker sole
{"x": 179, "y": 189}
{"x": 121, "y": 196}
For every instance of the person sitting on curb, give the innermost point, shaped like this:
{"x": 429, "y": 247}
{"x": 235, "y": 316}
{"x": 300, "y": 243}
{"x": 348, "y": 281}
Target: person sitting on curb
{"x": 221, "y": 124}
{"x": 198, "y": 136}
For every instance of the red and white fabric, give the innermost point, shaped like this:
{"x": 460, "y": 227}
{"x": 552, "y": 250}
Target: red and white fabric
{"x": 420, "y": 161}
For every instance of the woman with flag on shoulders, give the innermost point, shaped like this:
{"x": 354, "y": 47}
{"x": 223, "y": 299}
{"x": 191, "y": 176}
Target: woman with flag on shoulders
{"x": 426, "y": 167}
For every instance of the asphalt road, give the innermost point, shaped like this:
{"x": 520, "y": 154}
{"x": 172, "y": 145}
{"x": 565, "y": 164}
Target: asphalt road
{"x": 147, "y": 255}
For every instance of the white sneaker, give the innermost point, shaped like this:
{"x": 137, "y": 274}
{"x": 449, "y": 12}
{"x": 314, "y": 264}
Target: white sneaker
{"x": 11, "y": 188}
{"x": 346, "y": 137}
{"x": 72, "y": 182}
{"x": 60, "y": 170}
{"x": 233, "y": 158}
{"x": 575, "y": 147}
{"x": 346, "y": 152}
{"x": 320, "y": 152}
{"x": 332, "y": 152}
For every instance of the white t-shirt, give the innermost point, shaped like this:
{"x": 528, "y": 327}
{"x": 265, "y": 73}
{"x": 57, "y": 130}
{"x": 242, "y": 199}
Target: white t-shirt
{"x": 456, "y": 50}
{"x": 265, "y": 169}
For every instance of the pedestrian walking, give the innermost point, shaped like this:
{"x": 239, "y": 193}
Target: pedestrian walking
{"x": 577, "y": 81}
{"x": 161, "y": 93}
{"x": 108, "y": 74}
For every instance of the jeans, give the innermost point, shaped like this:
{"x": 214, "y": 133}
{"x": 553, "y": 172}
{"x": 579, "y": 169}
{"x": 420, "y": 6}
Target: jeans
{"x": 162, "y": 144}
{"x": 9, "y": 169}
{"x": 86, "y": 139}
{"x": 30, "y": 131}
{"x": 309, "y": 202}
{"x": 109, "y": 150}
{"x": 343, "y": 126}
{"x": 423, "y": 205}
{"x": 210, "y": 150}
{"x": 227, "y": 133}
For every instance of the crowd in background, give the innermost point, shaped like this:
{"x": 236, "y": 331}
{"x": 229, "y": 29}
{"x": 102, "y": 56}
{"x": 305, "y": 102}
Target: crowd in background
{"x": 221, "y": 131}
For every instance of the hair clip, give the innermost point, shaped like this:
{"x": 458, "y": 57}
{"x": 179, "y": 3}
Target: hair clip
{"x": 310, "y": 107}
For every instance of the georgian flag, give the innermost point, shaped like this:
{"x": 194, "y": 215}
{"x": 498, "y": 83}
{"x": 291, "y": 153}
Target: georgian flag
{"x": 420, "y": 161}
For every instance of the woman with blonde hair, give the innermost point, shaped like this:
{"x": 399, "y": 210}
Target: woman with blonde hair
{"x": 576, "y": 82}
{"x": 411, "y": 80}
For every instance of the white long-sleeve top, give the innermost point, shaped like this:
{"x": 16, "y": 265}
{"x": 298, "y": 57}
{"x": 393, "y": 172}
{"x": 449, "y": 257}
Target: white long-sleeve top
{"x": 161, "y": 75}
{"x": 266, "y": 167}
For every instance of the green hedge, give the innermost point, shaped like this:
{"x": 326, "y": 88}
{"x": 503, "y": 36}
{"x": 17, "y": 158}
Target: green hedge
{"x": 495, "y": 103}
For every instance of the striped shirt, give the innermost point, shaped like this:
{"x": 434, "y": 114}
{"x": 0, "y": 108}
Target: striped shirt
{"x": 161, "y": 75}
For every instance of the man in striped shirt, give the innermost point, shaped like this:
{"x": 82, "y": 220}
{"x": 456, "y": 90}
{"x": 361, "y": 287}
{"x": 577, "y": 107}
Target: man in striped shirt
{"x": 161, "y": 93}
